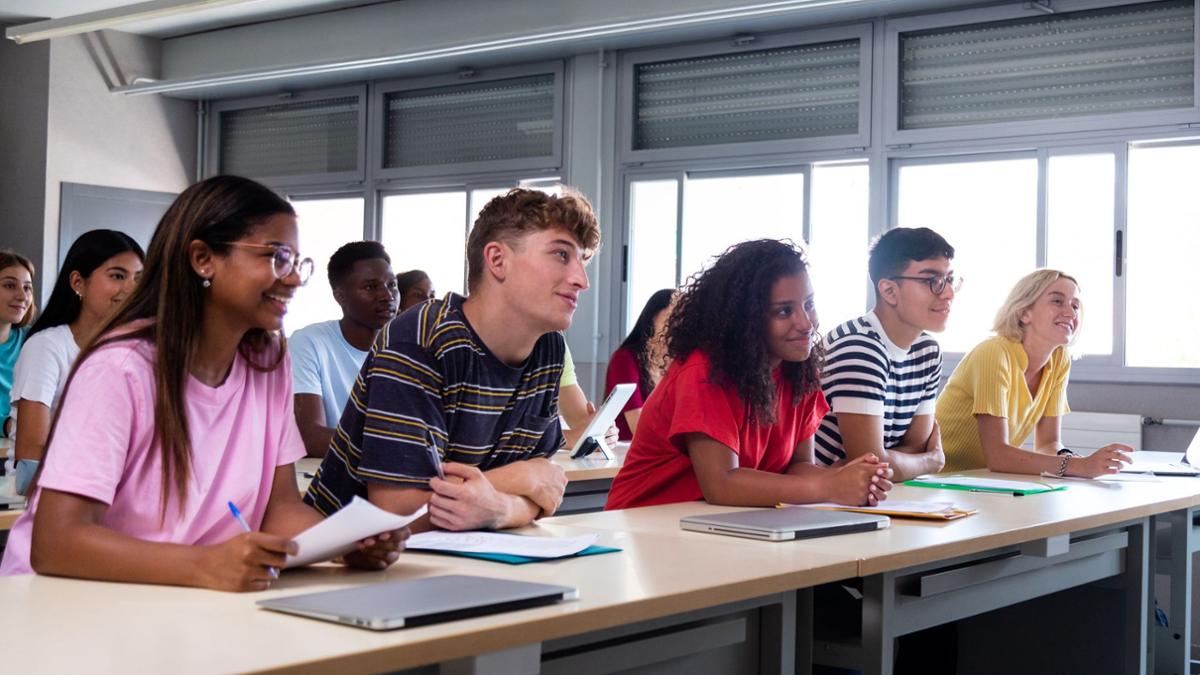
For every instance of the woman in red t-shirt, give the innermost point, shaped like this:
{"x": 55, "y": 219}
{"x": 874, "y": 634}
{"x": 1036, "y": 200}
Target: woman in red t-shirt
{"x": 639, "y": 360}
{"x": 732, "y": 421}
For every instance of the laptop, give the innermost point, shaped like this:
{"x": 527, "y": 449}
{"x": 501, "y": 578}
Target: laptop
{"x": 1167, "y": 463}
{"x": 784, "y": 524}
{"x": 420, "y": 602}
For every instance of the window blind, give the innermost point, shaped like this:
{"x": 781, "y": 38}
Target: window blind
{"x": 479, "y": 122}
{"x": 775, "y": 94}
{"x": 1113, "y": 60}
{"x": 309, "y": 137}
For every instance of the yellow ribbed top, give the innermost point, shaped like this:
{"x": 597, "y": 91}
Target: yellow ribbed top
{"x": 990, "y": 381}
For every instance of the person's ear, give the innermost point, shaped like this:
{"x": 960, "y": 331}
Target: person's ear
{"x": 76, "y": 282}
{"x": 201, "y": 258}
{"x": 496, "y": 258}
{"x": 889, "y": 291}
{"x": 339, "y": 296}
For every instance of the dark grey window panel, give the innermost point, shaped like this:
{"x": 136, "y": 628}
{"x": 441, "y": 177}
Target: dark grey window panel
{"x": 290, "y": 139}
{"x": 1114, "y": 60}
{"x": 787, "y": 93}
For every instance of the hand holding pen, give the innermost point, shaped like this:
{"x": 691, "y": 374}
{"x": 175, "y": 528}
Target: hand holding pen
{"x": 247, "y": 562}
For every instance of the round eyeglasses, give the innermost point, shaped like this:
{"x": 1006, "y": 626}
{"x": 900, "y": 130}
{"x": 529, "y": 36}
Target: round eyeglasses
{"x": 284, "y": 261}
{"x": 937, "y": 284}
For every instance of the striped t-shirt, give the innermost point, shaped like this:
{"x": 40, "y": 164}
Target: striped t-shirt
{"x": 430, "y": 380}
{"x": 865, "y": 373}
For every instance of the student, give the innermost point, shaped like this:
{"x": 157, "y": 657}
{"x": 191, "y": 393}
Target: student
{"x": 882, "y": 371}
{"x": 166, "y": 418}
{"x": 1015, "y": 383}
{"x": 98, "y": 273}
{"x": 327, "y": 356}
{"x": 415, "y": 288}
{"x": 732, "y": 420}
{"x": 16, "y": 312}
{"x": 473, "y": 380}
{"x": 637, "y": 361}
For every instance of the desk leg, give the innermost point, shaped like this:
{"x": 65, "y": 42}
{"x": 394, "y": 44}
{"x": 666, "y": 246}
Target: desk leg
{"x": 523, "y": 660}
{"x": 1138, "y": 590}
{"x": 1172, "y": 644}
{"x": 878, "y": 616}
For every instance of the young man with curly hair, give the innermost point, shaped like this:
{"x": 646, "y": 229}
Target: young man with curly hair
{"x": 471, "y": 381}
{"x": 732, "y": 421}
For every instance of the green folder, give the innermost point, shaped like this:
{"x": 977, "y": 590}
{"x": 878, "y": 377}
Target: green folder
{"x": 521, "y": 559}
{"x": 948, "y": 483}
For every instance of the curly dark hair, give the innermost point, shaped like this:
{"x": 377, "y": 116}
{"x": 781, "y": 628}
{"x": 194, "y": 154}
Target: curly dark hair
{"x": 722, "y": 311}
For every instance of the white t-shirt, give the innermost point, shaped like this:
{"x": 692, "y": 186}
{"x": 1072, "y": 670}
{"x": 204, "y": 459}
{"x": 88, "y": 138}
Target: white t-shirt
{"x": 323, "y": 363}
{"x": 43, "y": 366}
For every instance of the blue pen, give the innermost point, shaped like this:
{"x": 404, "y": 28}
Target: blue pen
{"x": 237, "y": 515}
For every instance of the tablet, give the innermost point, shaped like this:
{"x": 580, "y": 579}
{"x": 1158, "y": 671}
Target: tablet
{"x": 602, "y": 420}
{"x": 420, "y": 602}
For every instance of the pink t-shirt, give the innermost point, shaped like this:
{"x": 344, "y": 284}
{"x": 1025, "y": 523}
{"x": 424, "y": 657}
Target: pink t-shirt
{"x": 104, "y": 449}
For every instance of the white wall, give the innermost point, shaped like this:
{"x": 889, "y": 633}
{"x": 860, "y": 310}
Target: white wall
{"x": 98, "y": 138}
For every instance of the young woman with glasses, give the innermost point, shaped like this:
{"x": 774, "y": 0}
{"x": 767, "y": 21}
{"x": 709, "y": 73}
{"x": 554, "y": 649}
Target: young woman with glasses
{"x": 181, "y": 406}
{"x": 1014, "y": 384}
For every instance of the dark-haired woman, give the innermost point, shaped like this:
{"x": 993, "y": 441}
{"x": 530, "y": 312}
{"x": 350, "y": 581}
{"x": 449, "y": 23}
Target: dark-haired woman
{"x": 732, "y": 421}
{"x": 16, "y": 312}
{"x": 99, "y": 272}
{"x": 639, "y": 360}
{"x": 415, "y": 287}
{"x": 169, "y": 416}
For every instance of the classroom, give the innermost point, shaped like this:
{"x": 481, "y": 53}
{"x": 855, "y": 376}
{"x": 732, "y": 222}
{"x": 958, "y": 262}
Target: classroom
{"x": 623, "y": 278}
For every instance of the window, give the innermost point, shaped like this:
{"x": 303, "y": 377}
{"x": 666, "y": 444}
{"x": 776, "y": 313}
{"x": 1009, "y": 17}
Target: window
{"x": 723, "y": 209}
{"x": 986, "y": 210}
{"x": 1162, "y": 319}
{"x": 325, "y": 225}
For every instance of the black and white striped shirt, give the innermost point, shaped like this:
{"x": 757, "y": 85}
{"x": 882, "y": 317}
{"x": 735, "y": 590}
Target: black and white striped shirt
{"x": 866, "y": 374}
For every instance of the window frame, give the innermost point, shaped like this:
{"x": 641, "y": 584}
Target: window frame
{"x": 212, "y": 154}
{"x": 626, "y": 98}
{"x": 546, "y": 165}
{"x": 893, "y": 135}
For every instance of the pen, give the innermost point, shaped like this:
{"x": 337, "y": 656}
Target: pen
{"x": 993, "y": 492}
{"x": 431, "y": 447}
{"x": 237, "y": 515}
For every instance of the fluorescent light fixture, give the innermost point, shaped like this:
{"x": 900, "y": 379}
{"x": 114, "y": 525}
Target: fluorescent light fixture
{"x": 110, "y": 18}
{"x": 491, "y": 46}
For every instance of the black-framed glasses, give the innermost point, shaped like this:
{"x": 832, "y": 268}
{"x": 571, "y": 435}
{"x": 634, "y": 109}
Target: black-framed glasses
{"x": 284, "y": 261}
{"x": 937, "y": 284}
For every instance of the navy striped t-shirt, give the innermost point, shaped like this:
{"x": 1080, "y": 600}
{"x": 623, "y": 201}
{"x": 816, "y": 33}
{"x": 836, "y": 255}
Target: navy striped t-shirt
{"x": 430, "y": 380}
{"x": 865, "y": 373}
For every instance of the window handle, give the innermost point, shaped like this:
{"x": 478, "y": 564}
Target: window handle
{"x": 1119, "y": 249}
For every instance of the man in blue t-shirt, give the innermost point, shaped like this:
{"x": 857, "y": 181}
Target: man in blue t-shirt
{"x": 457, "y": 404}
{"x": 327, "y": 356}
{"x": 882, "y": 371}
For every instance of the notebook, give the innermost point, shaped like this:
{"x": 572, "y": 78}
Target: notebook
{"x": 903, "y": 509}
{"x": 420, "y": 602}
{"x": 784, "y": 524}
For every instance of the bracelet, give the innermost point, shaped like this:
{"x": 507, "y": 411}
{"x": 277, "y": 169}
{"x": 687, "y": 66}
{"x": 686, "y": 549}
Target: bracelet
{"x": 1062, "y": 468}
{"x": 1066, "y": 451}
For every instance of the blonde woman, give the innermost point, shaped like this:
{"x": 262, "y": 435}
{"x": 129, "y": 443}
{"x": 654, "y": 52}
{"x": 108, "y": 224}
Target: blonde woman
{"x": 1015, "y": 383}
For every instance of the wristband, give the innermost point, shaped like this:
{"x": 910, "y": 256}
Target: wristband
{"x": 1066, "y": 451}
{"x": 1062, "y": 468}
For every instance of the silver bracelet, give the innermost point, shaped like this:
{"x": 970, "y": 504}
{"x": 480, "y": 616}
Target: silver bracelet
{"x": 1062, "y": 468}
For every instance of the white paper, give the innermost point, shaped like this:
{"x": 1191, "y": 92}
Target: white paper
{"x": 895, "y": 505}
{"x": 338, "y": 534}
{"x": 492, "y": 542}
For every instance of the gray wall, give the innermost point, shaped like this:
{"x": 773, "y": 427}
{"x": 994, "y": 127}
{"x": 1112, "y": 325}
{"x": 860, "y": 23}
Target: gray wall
{"x": 98, "y": 138}
{"x": 24, "y": 90}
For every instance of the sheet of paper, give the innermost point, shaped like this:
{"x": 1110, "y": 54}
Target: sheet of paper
{"x": 339, "y": 533}
{"x": 978, "y": 482}
{"x": 492, "y": 542}
{"x": 894, "y": 505}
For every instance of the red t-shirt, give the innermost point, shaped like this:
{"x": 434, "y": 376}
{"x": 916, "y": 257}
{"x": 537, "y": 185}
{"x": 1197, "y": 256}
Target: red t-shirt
{"x": 658, "y": 470}
{"x": 622, "y": 369}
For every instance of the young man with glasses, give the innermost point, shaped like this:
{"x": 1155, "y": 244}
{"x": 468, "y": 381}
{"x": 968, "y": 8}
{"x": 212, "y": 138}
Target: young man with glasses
{"x": 327, "y": 356}
{"x": 882, "y": 371}
{"x": 457, "y": 404}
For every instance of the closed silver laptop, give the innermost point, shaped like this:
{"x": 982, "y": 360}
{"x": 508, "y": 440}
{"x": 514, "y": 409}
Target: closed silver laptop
{"x": 420, "y": 602}
{"x": 784, "y": 524}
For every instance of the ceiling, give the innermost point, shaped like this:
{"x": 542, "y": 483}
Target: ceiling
{"x": 195, "y": 20}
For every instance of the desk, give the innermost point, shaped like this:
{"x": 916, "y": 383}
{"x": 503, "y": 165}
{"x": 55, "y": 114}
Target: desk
{"x": 588, "y": 479}
{"x": 919, "y": 574}
{"x": 8, "y": 516}
{"x": 635, "y": 610}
